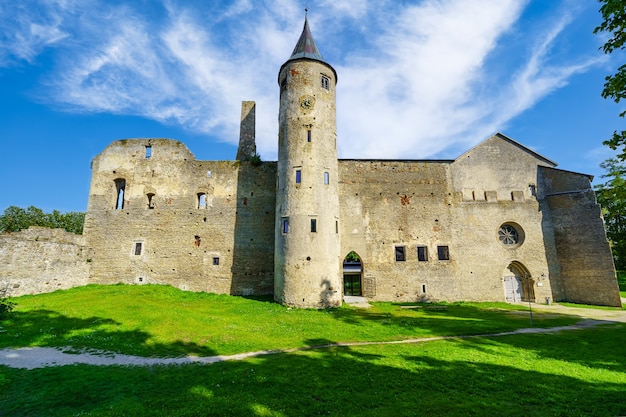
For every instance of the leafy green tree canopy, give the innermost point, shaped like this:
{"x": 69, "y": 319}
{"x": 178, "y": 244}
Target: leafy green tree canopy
{"x": 15, "y": 219}
{"x": 614, "y": 15}
{"x": 612, "y": 197}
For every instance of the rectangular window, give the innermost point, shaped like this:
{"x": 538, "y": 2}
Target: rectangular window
{"x": 443, "y": 253}
{"x": 216, "y": 260}
{"x": 325, "y": 82}
{"x": 313, "y": 225}
{"x": 336, "y": 227}
{"x": 308, "y": 135}
{"x": 148, "y": 151}
{"x": 326, "y": 178}
{"x": 138, "y": 248}
{"x": 298, "y": 176}
{"x": 422, "y": 253}
{"x": 285, "y": 226}
{"x": 400, "y": 254}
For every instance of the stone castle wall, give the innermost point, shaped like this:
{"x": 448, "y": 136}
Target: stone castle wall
{"x": 39, "y": 260}
{"x": 207, "y": 226}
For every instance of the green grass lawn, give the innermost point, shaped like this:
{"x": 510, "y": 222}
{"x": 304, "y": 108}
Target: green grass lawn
{"x": 572, "y": 373}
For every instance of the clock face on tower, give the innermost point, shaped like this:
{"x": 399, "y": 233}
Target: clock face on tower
{"x": 307, "y": 102}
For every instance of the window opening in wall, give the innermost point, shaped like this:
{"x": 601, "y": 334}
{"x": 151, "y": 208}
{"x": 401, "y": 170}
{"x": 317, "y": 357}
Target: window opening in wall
{"x": 400, "y": 254}
{"x": 313, "y": 225}
{"x": 216, "y": 260}
{"x": 423, "y": 288}
{"x": 510, "y": 234}
{"x": 532, "y": 188}
{"x": 201, "y": 200}
{"x": 150, "y": 200}
{"x": 325, "y": 82}
{"x": 308, "y": 135}
{"x": 298, "y": 176}
{"x": 148, "y": 151}
{"x": 120, "y": 186}
{"x": 138, "y": 248}
{"x": 336, "y": 226}
{"x": 285, "y": 225}
{"x": 443, "y": 253}
{"x": 326, "y": 178}
{"x": 422, "y": 253}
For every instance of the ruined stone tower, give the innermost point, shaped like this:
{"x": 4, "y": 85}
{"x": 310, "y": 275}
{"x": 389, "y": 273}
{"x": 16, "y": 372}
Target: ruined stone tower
{"x": 306, "y": 257}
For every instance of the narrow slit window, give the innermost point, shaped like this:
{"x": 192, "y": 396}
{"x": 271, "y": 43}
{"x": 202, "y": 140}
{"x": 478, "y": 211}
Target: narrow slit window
{"x": 313, "y": 225}
{"x": 443, "y": 253}
{"x": 423, "y": 288}
{"x": 285, "y": 225}
{"x": 150, "y": 197}
{"x": 325, "y": 82}
{"x": 298, "y": 176}
{"x": 326, "y": 178}
{"x": 422, "y": 253}
{"x": 120, "y": 186}
{"x": 336, "y": 227}
{"x": 138, "y": 247}
{"x": 308, "y": 135}
{"x": 148, "y": 151}
{"x": 400, "y": 254}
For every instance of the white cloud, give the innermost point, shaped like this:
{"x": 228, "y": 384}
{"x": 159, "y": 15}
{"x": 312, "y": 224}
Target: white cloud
{"x": 413, "y": 76}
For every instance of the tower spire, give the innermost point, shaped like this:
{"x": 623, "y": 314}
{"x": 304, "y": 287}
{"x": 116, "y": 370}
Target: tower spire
{"x": 306, "y": 47}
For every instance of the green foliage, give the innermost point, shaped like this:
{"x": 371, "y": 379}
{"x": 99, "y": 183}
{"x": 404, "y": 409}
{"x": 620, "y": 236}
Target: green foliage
{"x": 15, "y": 219}
{"x": 6, "y": 305}
{"x": 614, "y": 15}
{"x": 255, "y": 160}
{"x": 352, "y": 257}
{"x": 612, "y": 197}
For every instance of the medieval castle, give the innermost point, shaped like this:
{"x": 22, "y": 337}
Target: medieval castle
{"x": 498, "y": 223}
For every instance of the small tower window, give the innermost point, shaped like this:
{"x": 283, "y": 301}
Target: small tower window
{"x": 308, "y": 135}
{"x": 138, "y": 246}
{"x": 120, "y": 186}
{"x": 201, "y": 200}
{"x": 443, "y": 253}
{"x": 148, "y": 151}
{"x": 285, "y": 225}
{"x": 326, "y": 178}
{"x": 313, "y": 225}
{"x": 150, "y": 200}
{"x": 216, "y": 260}
{"x": 325, "y": 82}
{"x": 298, "y": 176}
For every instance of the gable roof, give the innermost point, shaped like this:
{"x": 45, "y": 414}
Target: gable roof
{"x": 514, "y": 143}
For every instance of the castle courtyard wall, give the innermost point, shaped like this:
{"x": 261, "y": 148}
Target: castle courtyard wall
{"x": 40, "y": 260}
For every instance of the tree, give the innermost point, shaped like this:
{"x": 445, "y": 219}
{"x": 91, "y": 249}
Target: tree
{"x": 15, "y": 219}
{"x": 614, "y": 15}
{"x": 612, "y": 197}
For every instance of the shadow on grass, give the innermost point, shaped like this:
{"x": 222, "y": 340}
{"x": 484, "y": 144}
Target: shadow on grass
{"x": 49, "y": 328}
{"x": 446, "y": 378}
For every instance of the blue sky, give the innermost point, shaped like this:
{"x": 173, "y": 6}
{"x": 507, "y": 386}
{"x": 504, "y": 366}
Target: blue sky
{"x": 418, "y": 79}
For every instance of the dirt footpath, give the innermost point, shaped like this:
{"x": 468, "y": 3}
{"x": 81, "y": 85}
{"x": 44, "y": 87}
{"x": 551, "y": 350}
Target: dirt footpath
{"x": 40, "y": 357}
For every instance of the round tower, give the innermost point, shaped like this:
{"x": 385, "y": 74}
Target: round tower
{"x": 306, "y": 257}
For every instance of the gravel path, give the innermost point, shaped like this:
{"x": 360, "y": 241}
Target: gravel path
{"x": 40, "y": 357}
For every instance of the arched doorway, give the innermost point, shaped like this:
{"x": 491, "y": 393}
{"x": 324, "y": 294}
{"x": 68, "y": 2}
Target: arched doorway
{"x": 352, "y": 275}
{"x": 518, "y": 284}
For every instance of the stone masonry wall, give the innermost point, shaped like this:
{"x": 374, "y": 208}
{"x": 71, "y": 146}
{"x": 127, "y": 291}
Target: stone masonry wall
{"x": 587, "y": 269}
{"x": 40, "y": 260}
{"x": 197, "y": 225}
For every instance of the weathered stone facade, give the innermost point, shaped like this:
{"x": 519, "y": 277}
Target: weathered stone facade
{"x": 498, "y": 223}
{"x": 41, "y": 260}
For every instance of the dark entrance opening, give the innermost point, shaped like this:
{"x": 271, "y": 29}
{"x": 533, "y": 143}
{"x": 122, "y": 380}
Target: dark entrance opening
{"x": 352, "y": 274}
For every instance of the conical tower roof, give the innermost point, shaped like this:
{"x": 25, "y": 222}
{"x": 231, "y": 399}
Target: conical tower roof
{"x": 306, "y": 48}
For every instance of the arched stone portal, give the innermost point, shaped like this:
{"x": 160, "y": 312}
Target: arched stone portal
{"x": 352, "y": 275}
{"x": 518, "y": 283}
